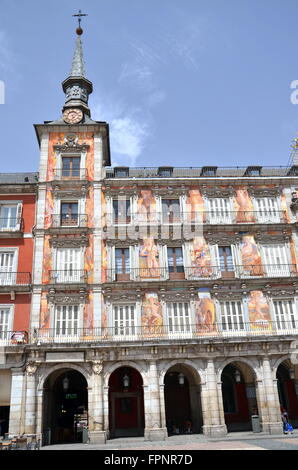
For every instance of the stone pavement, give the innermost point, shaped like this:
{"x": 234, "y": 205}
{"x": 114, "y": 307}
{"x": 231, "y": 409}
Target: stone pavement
{"x": 234, "y": 441}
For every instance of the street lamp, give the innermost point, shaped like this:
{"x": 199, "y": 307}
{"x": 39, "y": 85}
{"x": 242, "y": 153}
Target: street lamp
{"x": 292, "y": 374}
{"x": 65, "y": 383}
{"x": 125, "y": 381}
{"x": 237, "y": 376}
{"x": 181, "y": 379}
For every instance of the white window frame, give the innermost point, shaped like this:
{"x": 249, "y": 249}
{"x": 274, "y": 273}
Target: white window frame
{"x": 267, "y": 214}
{"x": 178, "y": 321}
{"x": 10, "y": 277}
{"x": 273, "y": 269}
{"x": 223, "y": 215}
{"x": 179, "y": 198}
{"x": 282, "y": 320}
{"x": 233, "y": 320}
{"x": 110, "y": 209}
{"x": 81, "y": 155}
{"x": 81, "y": 207}
{"x": 67, "y": 337}
{"x": 67, "y": 277}
{"x": 5, "y": 334}
{"x": 19, "y": 209}
{"x": 126, "y": 330}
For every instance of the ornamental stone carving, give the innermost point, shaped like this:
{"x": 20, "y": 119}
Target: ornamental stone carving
{"x": 70, "y": 144}
{"x": 69, "y": 242}
{"x": 67, "y": 299}
{"x": 97, "y": 367}
{"x": 31, "y": 368}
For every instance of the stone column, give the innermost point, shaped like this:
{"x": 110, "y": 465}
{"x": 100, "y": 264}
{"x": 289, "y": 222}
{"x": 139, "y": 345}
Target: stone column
{"x": 30, "y": 409}
{"x": 212, "y": 409}
{"x": 269, "y": 407}
{"x": 97, "y": 434}
{"x": 155, "y": 430}
{"x": 106, "y": 426}
{"x": 16, "y": 402}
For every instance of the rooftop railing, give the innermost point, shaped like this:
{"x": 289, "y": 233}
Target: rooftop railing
{"x": 196, "y": 172}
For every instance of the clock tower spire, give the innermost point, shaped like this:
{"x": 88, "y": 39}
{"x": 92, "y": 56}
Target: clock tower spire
{"x": 77, "y": 87}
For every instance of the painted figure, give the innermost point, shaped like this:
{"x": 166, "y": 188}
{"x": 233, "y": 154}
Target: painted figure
{"x": 151, "y": 313}
{"x": 251, "y": 257}
{"x": 244, "y": 207}
{"x": 146, "y": 206}
{"x": 149, "y": 259}
{"x": 205, "y": 315}
{"x": 200, "y": 258}
{"x": 258, "y": 310}
{"x": 195, "y": 206}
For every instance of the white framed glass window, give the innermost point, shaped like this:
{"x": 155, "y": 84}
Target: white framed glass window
{"x": 6, "y": 313}
{"x": 267, "y": 209}
{"x": 124, "y": 320}
{"x": 178, "y": 317}
{"x": 232, "y": 316}
{"x": 285, "y": 314}
{"x": 67, "y": 320}
{"x": 8, "y": 267}
{"x": 219, "y": 211}
{"x": 68, "y": 265}
{"x": 275, "y": 260}
{"x": 10, "y": 216}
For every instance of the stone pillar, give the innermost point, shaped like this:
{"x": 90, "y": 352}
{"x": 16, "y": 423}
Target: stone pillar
{"x": 212, "y": 409}
{"x": 106, "y": 426}
{"x": 269, "y": 407}
{"x": 163, "y": 420}
{"x": 30, "y": 409}
{"x": 16, "y": 402}
{"x": 154, "y": 430}
{"x": 97, "y": 434}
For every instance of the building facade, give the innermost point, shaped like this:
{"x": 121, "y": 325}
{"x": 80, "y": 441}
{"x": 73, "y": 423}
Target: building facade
{"x": 163, "y": 299}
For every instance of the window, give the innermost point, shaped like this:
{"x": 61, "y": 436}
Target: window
{"x": 285, "y": 314}
{"x": 122, "y": 263}
{"x": 232, "y": 316}
{"x": 10, "y": 216}
{"x": 275, "y": 260}
{"x": 178, "y": 314}
{"x": 5, "y": 322}
{"x": 121, "y": 172}
{"x": 121, "y": 211}
{"x": 226, "y": 261}
{"x": 71, "y": 167}
{"x": 165, "y": 171}
{"x": 68, "y": 265}
{"x": 175, "y": 263}
{"x": 253, "y": 171}
{"x": 267, "y": 208}
{"x": 124, "y": 321}
{"x": 67, "y": 320}
{"x": 219, "y": 211}
{"x": 7, "y": 267}
{"x": 69, "y": 213}
{"x": 208, "y": 171}
{"x": 171, "y": 210}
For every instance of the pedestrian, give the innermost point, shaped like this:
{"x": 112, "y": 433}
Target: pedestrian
{"x": 287, "y": 427}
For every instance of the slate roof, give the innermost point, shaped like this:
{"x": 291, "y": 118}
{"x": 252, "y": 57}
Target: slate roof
{"x": 18, "y": 178}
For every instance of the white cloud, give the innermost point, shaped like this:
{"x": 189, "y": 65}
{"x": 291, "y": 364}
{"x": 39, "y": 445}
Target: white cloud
{"x": 5, "y": 53}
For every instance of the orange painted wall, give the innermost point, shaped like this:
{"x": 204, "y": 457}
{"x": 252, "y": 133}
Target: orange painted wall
{"x": 25, "y": 246}
{"x": 28, "y": 212}
{"x": 22, "y": 304}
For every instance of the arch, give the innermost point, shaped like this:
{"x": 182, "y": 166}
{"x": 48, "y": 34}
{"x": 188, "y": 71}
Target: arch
{"x": 110, "y": 369}
{"x": 185, "y": 362}
{"x": 57, "y": 367}
{"x": 248, "y": 362}
{"x": 279, "y": 361}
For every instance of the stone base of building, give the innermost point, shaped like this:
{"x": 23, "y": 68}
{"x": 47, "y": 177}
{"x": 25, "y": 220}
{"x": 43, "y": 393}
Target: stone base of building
{"x": 156, "y": 434}
{"x": 215, "y": 430}
{"x": 272, "y": 428}
{"x": 97, "y": 437}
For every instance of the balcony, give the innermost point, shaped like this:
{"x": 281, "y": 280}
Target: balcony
{"x": 16, "y": 281}
{"x": 68, "y": 276}
{"x": 11, "y": 227}
{"x": 72, "y": 174}
{"x": 206, "y": 218}
{"x": 124, "y": 334}
{"x": 12, "y": 338}
{"x": 203, "y": 273}
{"x": 68, "y": 220}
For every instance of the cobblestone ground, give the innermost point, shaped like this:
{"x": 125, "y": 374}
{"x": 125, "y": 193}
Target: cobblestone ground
{"x": 175, "y": 443}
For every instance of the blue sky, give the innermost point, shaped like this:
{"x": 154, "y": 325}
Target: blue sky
{"x": 184, "y": 83}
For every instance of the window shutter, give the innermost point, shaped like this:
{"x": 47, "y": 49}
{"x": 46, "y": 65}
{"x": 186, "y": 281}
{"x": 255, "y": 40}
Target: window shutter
{"x": 111, "y": 274}
{"x": 19, "y": 216}
{"x": 163, "y": 256}
{"x": 186, "y": 259}
{"x": 134, "y": 265}
{"x": 216, "y": 272}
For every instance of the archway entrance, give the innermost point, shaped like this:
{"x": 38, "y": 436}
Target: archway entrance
{"x": 65, "y": 407}
{"x": 239, "y": 396}
{"x": 287, "y": 390}
{"x": 182, "y": 400}
{"x": 126, "y": 403}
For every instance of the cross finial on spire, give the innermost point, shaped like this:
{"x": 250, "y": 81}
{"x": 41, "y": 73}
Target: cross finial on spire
{"x": 79, "y": 16}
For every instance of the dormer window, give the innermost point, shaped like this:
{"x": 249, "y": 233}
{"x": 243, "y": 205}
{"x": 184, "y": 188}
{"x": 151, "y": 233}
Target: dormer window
{"x": 121, "y": 172}
{"x": 253, "y": 171}
{"x": 165, "y": 171}
{"x": 293, "y": 171}
{"x": 208, "y": 171}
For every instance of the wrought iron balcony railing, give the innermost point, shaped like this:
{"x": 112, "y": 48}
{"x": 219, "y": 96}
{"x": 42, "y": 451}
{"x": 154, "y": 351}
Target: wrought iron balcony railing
{"x": 203, "y": 272}
{"x": 8, "y": 278}
{"x": 70, "y": 173}
{"x": 11, "y": 224}
{"x": 125, "y": 333}
{"x": 13, "y": 337}
{"x": 68, "y": 276}
{"x": 69, "y": 220}
{"x": 196, "y": 217}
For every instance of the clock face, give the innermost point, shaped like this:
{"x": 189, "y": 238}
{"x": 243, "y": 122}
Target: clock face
{"x": 72, "y": 116}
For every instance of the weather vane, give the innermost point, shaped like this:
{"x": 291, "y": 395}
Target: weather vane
{"x": 79, "y": 16}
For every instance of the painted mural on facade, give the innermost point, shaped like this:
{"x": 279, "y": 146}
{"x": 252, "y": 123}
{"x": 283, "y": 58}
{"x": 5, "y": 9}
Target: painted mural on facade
{"x": 251, "y": 256}
{"x": 44, "y": 320}
{"x": 47, "y": 260}
{"x": 104, "y": 261}
{"x": 205, "y": 314}
{"x": 49, "y": 208}
{"x": 149, "y": 262}
{"x": 200, "y": 258}
{"x": 89, "y": 260}
{"x": 146, "y": 206}
{"x": 244, "y": 206}
{"x": 88, "y": 315}
{"x": 151, "y": 319}
{"x": 258, "y": 310}
{"x": 195, "y": 206}
{"x": 90, "y": 207}
{"x": 284, "y": 208}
